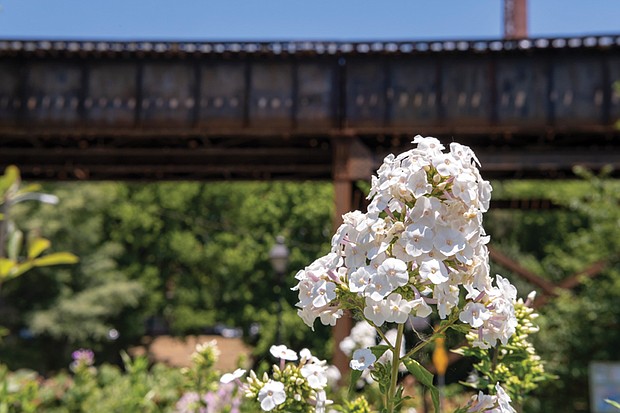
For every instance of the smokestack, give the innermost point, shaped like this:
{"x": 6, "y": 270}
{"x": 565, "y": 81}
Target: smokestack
{"x": 515, "y": 19}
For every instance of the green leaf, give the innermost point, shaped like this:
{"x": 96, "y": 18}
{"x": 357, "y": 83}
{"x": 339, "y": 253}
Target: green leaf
{"x": 18, "y": 269}
{"x": 9, "y": 179}
{"x": 461, "y": 328}
{"x": 56, "y": 259}
{"x": 613, "y": 403}
{"x": 37, "y": 246}
{"x": 379, "y": 350}
{"x": 5, "y": 267}
{"x": 425, "y": 377}
{"x": 355, "y": 376}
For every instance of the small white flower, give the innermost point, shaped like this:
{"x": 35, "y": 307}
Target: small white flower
{"x": 474, "y": 314}
{"x": 434, "y": 270}
{"x": 229, "y": 377}
{"x": 397, "y": 309}
{"x": 418, "y": 240}
{"x": 503, "y": 400}
{"x": 395, "y": 272}
{"x": 323, "y": 292}
{"x": 449, "y": 241}
{"x": 315, "y": 374}
{"x": 362, "y": 359}
{"x": 271, "y": 395}
{"x": 375, "y": 311}
{"x": 282, "y": 352}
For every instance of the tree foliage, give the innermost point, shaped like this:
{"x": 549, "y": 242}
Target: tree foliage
{"x": 191, "y": 256}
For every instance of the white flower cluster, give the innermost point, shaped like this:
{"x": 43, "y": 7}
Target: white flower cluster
{"x": 420, "y": 243}
{"x": 304, "y": 382}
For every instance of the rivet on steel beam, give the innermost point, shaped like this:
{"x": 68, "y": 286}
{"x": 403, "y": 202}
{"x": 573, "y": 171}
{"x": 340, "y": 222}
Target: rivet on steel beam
{"x": 173, "y": 103}
{"x": 189, "y": 103}
{"x": 568, "y": 98}
{"x": 262, "y": 103}
{"x": 131, "y": 103}
{"x": 88, "y": 103}
{"x": 233, "y": 102}
{"x": 275, "y": 103}
{"x": 559, "y": 43}
{"x": 461, "y": 99}
{"x": 218, "y": 102}
{"x": 359, "y": 100}
{"x": 102, "y": 102}
{"x": 117, "y": 102}
{"x": 60, "y": 102}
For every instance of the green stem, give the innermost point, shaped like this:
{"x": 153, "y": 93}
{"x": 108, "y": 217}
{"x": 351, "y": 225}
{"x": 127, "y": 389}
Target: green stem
{"x": 395, "y": 364}
{"x": 423, "y": 344}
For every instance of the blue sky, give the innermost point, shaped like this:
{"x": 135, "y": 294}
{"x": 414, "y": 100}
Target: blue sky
{"x": 295, "y": 19}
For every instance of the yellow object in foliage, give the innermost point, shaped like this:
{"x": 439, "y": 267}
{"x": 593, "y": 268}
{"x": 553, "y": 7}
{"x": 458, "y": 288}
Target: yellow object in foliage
{"x": 440, "y": 356}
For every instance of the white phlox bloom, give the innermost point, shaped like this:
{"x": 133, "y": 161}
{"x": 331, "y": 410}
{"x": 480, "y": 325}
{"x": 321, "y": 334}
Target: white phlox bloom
{"x": 474, "y": 314}
{"x": 375, "y": 311}
{"x": 330, "y": 316}
{"x": 503, "y": 400}
{"x": 483, "y": 403}
{"x": 321, "y": 401}
{"x": 282, "y": 352}
{"x": 315, "y": 374}
{"x": 422, "y": 231}
{"x": 433, "y": 270}
{"x": 271, "y": 395}
{"x": 397, "y": 309}
{"x": 229, "y": 377}
{"x": 362, "y": 359}
{"x": 395, "y": 272}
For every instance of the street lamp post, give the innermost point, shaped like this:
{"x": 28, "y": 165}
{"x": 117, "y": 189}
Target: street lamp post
{"x": 278, "y": 256}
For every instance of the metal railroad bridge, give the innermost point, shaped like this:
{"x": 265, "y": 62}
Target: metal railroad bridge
{"x": 303, "y": 110}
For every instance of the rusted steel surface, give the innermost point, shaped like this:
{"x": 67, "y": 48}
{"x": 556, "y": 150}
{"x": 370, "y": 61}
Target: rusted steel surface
{"x": 530, "y": 107}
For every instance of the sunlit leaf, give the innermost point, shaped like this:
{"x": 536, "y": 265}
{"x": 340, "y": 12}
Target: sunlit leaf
{"x": 56, "y": 258}
{"x": 9, "y": 179}
{"x": 5, "y": 267}
{"x": 425, "y": 377}
{"x": 37, "y": 246}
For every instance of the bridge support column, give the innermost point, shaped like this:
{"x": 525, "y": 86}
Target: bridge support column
{"x": 352, "y": 161}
